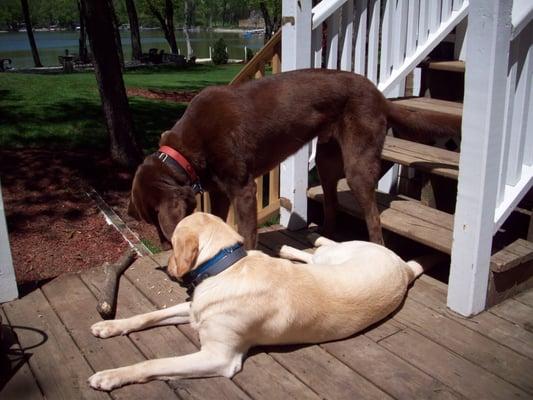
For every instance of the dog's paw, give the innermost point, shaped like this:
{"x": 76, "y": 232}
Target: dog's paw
{"x": 286, "y": 252}
{"x": 106, "y": 380}
{"x": 105, "y": 329}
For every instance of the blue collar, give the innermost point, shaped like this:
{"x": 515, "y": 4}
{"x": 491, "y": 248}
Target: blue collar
{"x": 224, "y": 259}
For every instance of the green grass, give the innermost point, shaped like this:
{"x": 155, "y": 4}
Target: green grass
{"x": 64, "y": 111}
{"x": 154, "y": 248}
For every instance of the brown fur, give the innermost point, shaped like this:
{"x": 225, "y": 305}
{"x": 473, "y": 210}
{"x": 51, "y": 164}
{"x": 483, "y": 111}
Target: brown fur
{"x": 232, "y": 134}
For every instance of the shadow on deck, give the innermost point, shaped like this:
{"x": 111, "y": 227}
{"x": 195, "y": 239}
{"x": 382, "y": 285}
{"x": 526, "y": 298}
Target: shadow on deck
{"x": 422, "y": 351}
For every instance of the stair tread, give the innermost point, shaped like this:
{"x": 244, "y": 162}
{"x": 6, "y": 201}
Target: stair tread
{"x": 429, "y": 104}
{"x": 453, "y": 65}
{"x": 518, "y": 252}
{"x": 428, "y": 158}
{"x": 434, "y": 228}
{"x": 405, "y": 217}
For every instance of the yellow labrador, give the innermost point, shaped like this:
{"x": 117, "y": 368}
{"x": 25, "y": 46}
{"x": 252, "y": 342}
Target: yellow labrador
{"x": 244, "y": 299}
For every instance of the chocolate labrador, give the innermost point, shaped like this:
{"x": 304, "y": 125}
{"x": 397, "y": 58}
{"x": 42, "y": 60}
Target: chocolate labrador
{"x": 229, "y": 135}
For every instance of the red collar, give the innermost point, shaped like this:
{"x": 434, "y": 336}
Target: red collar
{"x": 182, "y": 162}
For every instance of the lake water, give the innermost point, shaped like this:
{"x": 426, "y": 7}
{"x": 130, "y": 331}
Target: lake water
{"x": 15, "y": 45}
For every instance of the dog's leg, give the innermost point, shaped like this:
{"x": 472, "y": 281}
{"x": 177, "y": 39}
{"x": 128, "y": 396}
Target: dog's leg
{"x": 204, "y": 363}
{"x": 245, "y": 204}
{"x": 330, "y": 169}
{"x": 178, "y": 314}
{"x": 294, "y": 254}
{"x": 219, "y": 204}
{"x": 362, "y": 143}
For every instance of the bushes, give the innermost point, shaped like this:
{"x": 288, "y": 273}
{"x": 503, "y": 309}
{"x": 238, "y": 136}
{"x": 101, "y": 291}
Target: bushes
{"x": 220, "y": 55}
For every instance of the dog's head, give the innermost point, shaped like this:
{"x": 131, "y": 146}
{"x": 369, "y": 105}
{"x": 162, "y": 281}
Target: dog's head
{"x": 196, "y": 239}
{"x": 160, "y": 196}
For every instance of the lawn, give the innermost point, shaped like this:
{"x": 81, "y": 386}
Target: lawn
{"x": 63, "y": 111}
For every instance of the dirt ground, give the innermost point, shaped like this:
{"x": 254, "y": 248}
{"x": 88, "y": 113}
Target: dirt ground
{"x": 53, "y": 226}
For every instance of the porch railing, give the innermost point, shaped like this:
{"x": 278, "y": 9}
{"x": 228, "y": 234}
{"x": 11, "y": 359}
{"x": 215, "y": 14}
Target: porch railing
{"x": 383, "y": 40}
{"x": 268, "y": 200}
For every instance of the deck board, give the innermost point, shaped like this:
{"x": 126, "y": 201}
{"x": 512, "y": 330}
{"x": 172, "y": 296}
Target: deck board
{"x": 423, "y": 351}
{"x": 516, "y": 312}
{"x": 19, "y": 380}
{"x": 76, "y": 306}
{"x": 451, "y": 369}
{"x": 58, "y": 365}
{"x": 388, "y": 371}
{"x": 469, "y": 344}
{"x": 433, "y": 294}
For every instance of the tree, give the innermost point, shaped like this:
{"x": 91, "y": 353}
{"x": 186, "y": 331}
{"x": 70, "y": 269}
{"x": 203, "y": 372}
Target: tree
{"x": 190, "y": 8}
{"x": 99, "y": 20}
{"x": 166, "y": 22}
{"x": 136, "y": 50}
{"x": 83, "y": 33}
{"x": 29, "y": 30}
{"x": 271, "y": 10}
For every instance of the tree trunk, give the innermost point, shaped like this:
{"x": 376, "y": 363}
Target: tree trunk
{"x": 29, "y": 30}
{"x": 167, "y": 23}
{"x": 136, "y": 50}
{"x": 99, "y": 20}
{"x": 169, "y": 19}
{"x": 272, "y": 23}
{"x": 83, "y": 34}
{"x": 189, "y": 11}
{"x": 116, "y": 33}
{"x": 266, "y": 17}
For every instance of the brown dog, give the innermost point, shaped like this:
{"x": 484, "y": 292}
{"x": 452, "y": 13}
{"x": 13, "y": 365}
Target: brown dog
{"x": 230, "y": 135}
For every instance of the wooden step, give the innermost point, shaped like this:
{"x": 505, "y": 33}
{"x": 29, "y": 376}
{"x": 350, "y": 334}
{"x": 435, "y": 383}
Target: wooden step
{"x": 429, "y": 104}
{"x": 452, "y": 66}
{"x": 404, "y": 217}
{"x": 410, "y": 218}
{"x": 427, "y": 158}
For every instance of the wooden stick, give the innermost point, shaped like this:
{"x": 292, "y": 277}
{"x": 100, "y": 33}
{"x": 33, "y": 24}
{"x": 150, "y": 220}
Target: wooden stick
{"x": 107, "y": 301}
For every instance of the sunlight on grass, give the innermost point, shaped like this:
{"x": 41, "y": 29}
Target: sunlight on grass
{"x": 154, "y": 248}
{"x": 64, "y": 111}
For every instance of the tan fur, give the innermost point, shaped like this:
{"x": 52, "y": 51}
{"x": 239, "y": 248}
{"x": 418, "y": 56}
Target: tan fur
{"x": 262, "y": 300}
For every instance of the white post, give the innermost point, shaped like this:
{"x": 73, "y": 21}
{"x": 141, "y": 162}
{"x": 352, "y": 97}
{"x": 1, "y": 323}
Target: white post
{"x": 8, "y": 283}
{"x": 210, "y": 54}
{"x": 488, "y": 38}
{"x": 390, "y": 31}
{"x": 296, "y": 54}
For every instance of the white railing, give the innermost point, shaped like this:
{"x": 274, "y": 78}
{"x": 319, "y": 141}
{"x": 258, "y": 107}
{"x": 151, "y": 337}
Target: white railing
{"x": 383, "y": 40}
{"x": 496, "y": 167}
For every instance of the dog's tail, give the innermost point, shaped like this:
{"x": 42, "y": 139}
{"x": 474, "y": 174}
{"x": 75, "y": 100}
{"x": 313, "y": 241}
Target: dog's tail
{"x": 421, "y": 264}
{"x": 415, "y": 270}
{"x": 422, "y": 126}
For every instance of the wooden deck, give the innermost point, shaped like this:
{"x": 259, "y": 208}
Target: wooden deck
{"x": 422, "y": 352}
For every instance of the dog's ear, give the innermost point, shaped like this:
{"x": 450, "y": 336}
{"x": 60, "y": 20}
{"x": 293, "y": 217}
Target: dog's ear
{"x": 132, "y": 210}
{"x": 169, "y": 214}
{"x": 174, "y": 208}
{"x": 184, "y": 252}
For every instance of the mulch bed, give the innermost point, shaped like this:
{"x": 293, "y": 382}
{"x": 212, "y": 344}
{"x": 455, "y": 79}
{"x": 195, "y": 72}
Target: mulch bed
{"x": 53, "y": 226}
